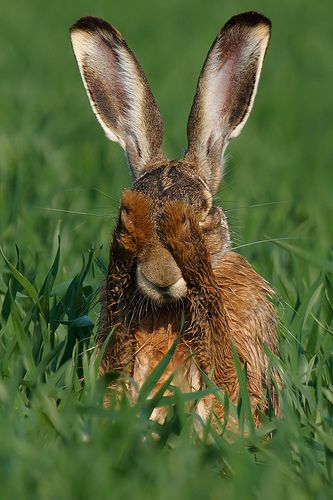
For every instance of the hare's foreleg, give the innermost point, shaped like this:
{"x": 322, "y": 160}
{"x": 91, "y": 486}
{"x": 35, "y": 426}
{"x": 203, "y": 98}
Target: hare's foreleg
{"x": 115, "y": 297}
{"x": 120, "y": 290}
{"x": 207, "y": 329}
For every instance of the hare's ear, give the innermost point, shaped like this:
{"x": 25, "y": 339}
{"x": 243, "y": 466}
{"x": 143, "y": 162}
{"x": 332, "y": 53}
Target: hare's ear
{"x": 118, "y": 92}
{"x": 225, "y": 93}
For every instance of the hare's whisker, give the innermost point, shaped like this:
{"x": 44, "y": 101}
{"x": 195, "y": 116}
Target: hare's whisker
{"x": 268, "y": 240}
{"x": 75, "y": 212}
{"x": 112, "y": 198}
{"x": 256, "y": 205}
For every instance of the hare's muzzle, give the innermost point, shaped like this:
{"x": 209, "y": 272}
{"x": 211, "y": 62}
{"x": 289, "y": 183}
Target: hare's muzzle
{"x": 159, "y": 277}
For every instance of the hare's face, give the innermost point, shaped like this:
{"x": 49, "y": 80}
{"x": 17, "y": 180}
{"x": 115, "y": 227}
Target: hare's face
{"x": 158, "y": 275}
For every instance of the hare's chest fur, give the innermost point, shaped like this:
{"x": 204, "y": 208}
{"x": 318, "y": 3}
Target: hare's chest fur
{"x": 152, "y": 342}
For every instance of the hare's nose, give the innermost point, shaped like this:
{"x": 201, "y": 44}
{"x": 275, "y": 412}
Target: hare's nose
{"x": 162, "y": 277}
{"x": 160, "y": 268}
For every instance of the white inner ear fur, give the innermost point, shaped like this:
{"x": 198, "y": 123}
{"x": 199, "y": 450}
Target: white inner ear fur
{"x": 219, "y": 81}
{"x": 258, "y": 45}
{"x": 85, "y": 47}
{"x": 89, "y": 53}
{"x": 135, "y": 93}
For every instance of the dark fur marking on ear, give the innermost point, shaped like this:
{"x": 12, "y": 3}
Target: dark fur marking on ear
{"x": 239, "y": 110}
{"x": 91, "y": 24}
{"x": 247, "y": 19}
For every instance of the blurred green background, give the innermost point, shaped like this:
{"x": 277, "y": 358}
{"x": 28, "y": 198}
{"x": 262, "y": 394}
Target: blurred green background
{"x": 59, "y": 175}
{"x": 55, "y": 160}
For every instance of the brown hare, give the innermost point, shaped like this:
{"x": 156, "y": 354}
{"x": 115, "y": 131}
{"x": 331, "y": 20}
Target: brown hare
{"x": 170, "y": 254}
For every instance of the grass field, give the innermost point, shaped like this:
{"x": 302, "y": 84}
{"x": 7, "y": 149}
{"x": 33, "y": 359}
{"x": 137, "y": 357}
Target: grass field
{"x": 60, "y": 177}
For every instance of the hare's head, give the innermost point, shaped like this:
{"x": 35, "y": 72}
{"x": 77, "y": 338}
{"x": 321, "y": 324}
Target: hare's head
{"x": 126, "y": 109}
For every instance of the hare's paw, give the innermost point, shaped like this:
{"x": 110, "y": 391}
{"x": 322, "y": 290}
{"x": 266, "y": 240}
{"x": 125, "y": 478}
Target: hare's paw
{"x": 180, "y": 233}
{"x": 177, "y": 227}
{"x": 136, "y": 225}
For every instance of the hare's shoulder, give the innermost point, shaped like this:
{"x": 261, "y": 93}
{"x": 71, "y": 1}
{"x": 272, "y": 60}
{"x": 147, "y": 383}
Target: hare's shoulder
{"x": 246, "y": 298}
{"x": 234, "y": 273}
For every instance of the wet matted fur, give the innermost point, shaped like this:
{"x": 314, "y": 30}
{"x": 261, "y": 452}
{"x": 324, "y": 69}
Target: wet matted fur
{"x": 170, "y": 254}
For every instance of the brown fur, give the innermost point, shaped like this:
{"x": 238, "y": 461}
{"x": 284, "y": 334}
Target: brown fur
{"x": 170, "y": 254}
{"x": 224, "y": 304}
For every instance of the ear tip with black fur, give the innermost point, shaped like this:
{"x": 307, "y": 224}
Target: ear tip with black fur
{"x": 91, "y": 24}
{"x": 248, "y": 19}
{"x": 88, "y": 23}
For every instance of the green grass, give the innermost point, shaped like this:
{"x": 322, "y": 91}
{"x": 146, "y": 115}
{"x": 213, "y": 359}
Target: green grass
{"x": 59, "y": 176}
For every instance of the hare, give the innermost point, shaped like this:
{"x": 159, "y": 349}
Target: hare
{"x": 170, "y": 256}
